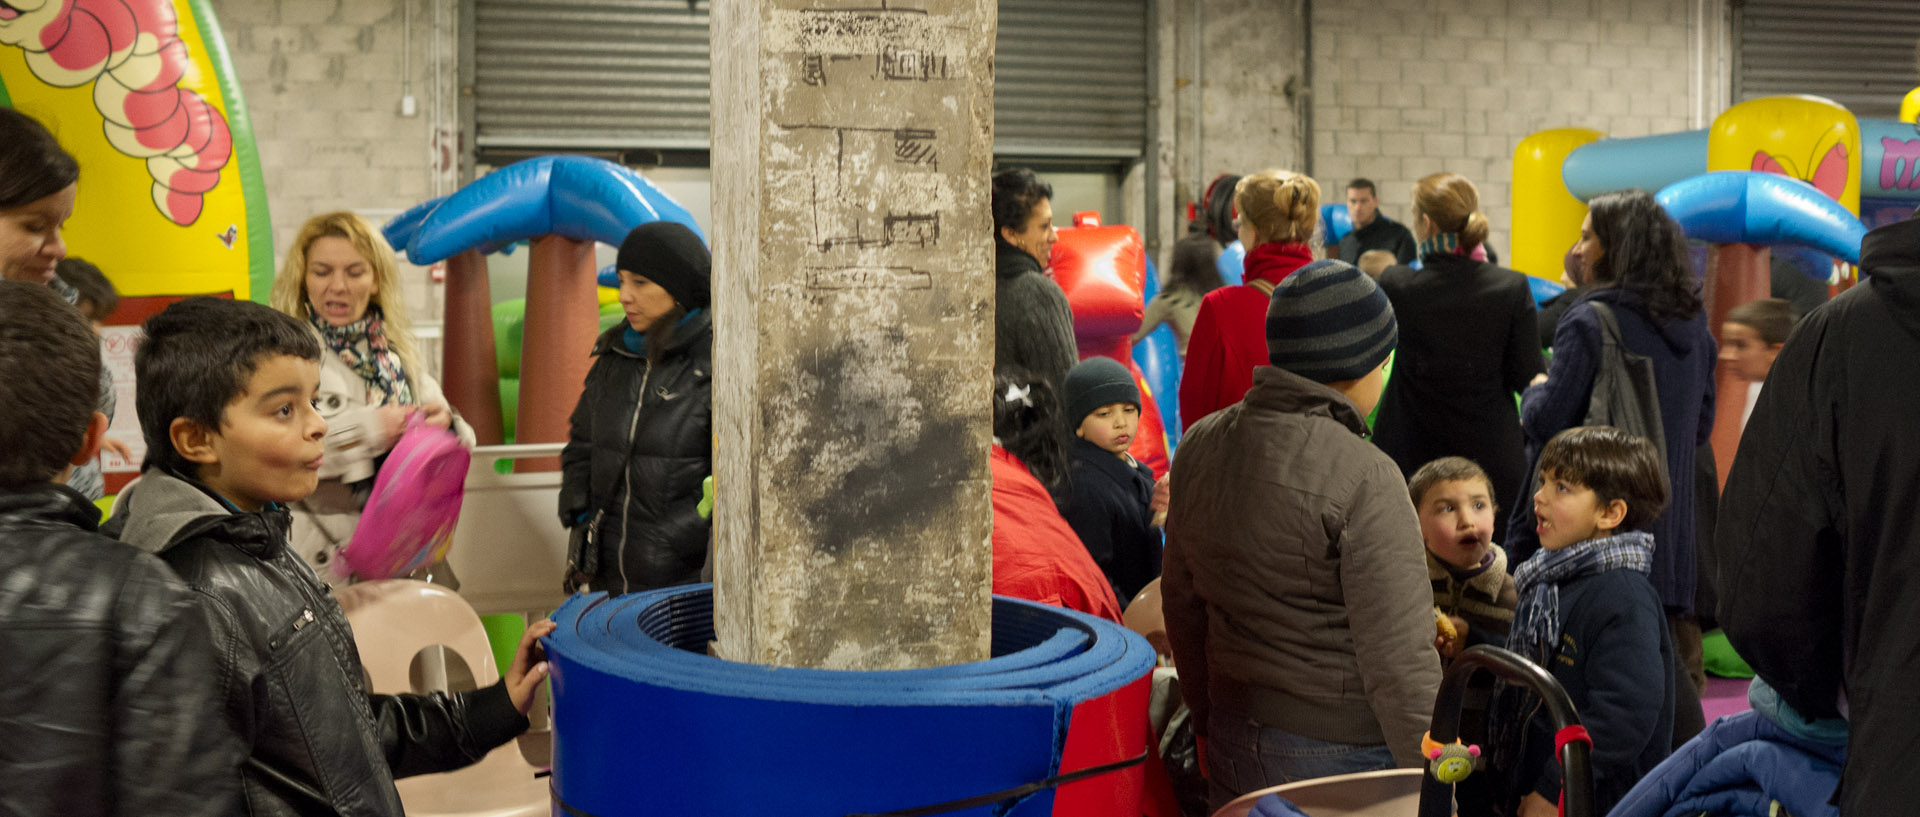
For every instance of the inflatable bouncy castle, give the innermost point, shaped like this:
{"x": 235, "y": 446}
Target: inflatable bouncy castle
{"x": 142, "y": 93}
{"x": 1797, "y": 174}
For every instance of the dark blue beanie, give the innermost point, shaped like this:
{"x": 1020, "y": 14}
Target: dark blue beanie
{"x": 1095, "y": 382}
{"x": 1329, "y": 322}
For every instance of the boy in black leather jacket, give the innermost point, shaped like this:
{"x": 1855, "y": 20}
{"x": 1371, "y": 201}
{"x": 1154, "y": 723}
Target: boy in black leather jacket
{"x": 107, "y": 704}
{"x": 225, "y": 401}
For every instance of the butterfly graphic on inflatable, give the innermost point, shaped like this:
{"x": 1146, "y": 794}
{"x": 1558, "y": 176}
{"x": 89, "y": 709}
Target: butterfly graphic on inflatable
{"x": 1829, "y": 173}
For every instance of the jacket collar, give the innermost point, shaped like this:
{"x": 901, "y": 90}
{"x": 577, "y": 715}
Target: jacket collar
{"x": 1011, "y": 262}
{"x": 1489, "y": 581}
{"x": 49, "y": 502}
{"x": 684, "y": 335}
{"x": 1276, "y": 389}
{"x": 1104, "y": 461}
{"x": 162, "y": 510}
{"x": 1274, "y": 261}
{"x": 1679, "y": 335}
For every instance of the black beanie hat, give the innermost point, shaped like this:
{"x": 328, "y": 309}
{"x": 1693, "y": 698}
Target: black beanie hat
{"x": 1329, "y": 322}
{"x": 669, "y": 254}
{"x": 1095, "y": 382}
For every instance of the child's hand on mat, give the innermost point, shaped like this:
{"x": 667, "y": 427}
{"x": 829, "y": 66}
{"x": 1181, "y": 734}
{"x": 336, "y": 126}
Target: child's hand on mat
{"x": 529, "y": 665}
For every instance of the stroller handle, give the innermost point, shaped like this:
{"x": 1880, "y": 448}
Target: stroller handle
{"x": 1576, "y": 795}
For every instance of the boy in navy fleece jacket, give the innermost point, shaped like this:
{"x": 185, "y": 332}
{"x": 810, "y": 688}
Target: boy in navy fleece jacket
{"x": 1588, "y": 614}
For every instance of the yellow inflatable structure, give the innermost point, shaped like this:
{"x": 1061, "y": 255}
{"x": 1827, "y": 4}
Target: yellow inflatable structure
{"x": 142, "y": 93}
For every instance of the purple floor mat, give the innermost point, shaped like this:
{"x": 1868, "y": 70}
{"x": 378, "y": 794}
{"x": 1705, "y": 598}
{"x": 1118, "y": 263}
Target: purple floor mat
{"x": 1725, "y": 696}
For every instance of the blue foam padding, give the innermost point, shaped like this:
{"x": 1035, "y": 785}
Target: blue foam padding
{"x": 1232, "y": 264}
{"x": 578, "y": 197}
{"x": 1750, "y": 207}
{"x": 646, "y": 723}
{"x": 1158, "y": 356}
{"x": 1337, "y": 222}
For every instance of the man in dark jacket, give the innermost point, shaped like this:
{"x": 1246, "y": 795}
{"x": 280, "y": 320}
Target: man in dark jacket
{"x": 1819, "y": 531}
{"x": 1032, "y": 324}
{"x": 1371, "y": 230}
{"x": 232, "y": 437}
{"x": 107, "y": 698}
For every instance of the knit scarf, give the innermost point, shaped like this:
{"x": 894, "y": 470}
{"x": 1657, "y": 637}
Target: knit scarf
{"x": 362, "y": 345}
{"x": 1274, "y": 261}
{"x": 1536, "y": 619}
{"x": 1450, "y": 242}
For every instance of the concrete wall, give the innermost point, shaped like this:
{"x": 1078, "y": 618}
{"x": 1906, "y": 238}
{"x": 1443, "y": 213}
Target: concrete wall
{"x": 1236, "y": 107}
{"x": 323, "y": 81}
{"x": 1403, "y": 88}
{"x": 1410, "y": 87}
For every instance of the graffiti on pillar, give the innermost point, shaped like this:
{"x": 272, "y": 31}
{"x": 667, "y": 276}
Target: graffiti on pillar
{"x": 866, "y": 277}
{"x": 861, "y": 200}
{"x": 888, "y": 42}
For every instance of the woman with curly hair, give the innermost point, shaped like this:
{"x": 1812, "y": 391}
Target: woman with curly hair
{"x": 1635, "y": 261}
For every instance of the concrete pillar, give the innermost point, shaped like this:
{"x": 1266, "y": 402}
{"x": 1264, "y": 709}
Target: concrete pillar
{"x": 563, "y": 319}
{"x": 470, "y": 366}
{"x": 853, "y": 303}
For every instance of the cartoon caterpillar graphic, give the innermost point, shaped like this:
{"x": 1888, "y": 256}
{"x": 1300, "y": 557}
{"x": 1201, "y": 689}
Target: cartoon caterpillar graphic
{"x": 131, "y": 51}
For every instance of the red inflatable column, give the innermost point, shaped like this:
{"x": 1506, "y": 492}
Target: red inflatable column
{"x": 468, "y": 368}
{"x": 563, "y": 318}
{"x": 1736, "y": 274}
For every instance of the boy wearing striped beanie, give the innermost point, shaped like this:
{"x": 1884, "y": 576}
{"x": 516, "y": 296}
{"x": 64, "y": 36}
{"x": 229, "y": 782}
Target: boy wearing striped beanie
{"x": 1288, "y": 523}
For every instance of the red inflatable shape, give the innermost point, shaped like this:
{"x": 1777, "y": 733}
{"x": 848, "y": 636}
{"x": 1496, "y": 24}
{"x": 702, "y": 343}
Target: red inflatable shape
{"x": 1103, "y": 271}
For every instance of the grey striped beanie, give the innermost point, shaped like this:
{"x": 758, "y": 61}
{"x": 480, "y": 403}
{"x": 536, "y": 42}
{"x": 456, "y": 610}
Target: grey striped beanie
{"x": 1329, "y": 322}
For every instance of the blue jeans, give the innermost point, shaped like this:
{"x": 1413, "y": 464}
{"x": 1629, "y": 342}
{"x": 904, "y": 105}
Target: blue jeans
{"x": 1243, "y": 756}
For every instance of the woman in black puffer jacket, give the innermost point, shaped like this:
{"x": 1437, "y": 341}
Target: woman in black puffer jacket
{"x": 642, "y": 438}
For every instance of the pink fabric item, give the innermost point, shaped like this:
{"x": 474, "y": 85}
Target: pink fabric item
{"x": 408, "y": 521}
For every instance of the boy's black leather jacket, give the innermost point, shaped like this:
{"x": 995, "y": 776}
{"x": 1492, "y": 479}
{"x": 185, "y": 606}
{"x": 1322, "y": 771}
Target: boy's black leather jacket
{"x": 294, "y": 691}
{"x": 106, "y": 704}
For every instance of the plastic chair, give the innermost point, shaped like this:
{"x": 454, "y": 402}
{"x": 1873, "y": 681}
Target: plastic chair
{"x": 1144, "y": 616}
{"x": 392, "y": 622}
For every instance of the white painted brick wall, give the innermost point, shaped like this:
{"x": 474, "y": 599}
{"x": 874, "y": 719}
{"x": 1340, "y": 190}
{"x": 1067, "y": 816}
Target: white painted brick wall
{"x": 1411, "y": 87}
{"x": 323, "y": 82}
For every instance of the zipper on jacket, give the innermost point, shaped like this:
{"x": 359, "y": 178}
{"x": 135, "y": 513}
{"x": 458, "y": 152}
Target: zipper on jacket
{"x": 626, "y": 501}
{"x": 287, "y": 633}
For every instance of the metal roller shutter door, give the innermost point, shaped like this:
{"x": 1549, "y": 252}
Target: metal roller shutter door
{"x": 590, "y": 74}
{"x": 1071, "y": 78}
{"x": 1859, "y": 53}
{"x": 629, "y": 74}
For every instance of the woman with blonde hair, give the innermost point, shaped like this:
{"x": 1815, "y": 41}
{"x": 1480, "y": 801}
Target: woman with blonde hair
{"x": 1468, "y": 341}
{"x": 342, "y": 278}
{"x": 1279, "y": 212}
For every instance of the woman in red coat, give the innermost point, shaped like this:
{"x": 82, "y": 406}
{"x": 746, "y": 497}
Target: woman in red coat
{"x": 1279, "y": 211}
